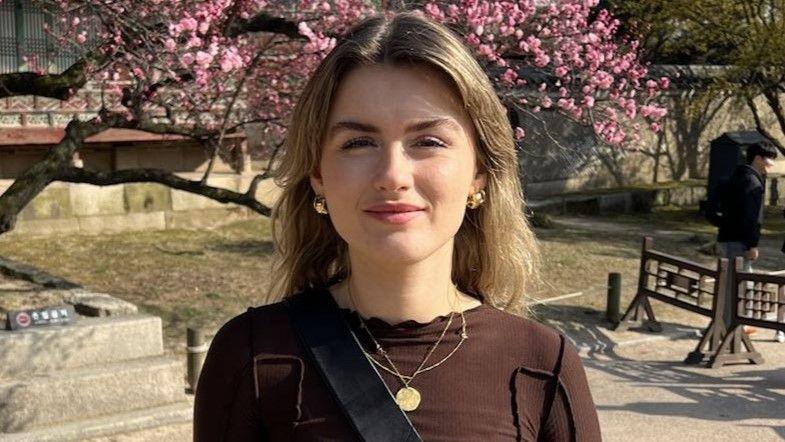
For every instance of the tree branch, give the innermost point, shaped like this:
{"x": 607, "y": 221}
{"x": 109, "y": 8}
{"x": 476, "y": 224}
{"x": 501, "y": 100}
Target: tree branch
{"x": 79, "y": 175}
{"x": 761, "y": 128}
{"x": 57, "y": 86}
{"x": 265, "y": 23}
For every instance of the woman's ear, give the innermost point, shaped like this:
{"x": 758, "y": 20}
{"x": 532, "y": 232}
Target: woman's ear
{"x": 316, "y": 181}
{"x": 480, "y": 181}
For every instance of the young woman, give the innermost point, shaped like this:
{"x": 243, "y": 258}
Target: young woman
{"x": 402, "y": 205}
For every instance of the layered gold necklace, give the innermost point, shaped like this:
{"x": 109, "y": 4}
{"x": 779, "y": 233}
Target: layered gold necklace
{"x": 407, "y": 397}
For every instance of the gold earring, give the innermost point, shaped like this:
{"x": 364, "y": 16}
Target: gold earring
{"x": 476, "y": 199}
{"x": 320, "y": 205}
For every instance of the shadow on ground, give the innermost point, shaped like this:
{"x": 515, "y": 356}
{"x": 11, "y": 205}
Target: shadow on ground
{"x": 644, "y": 373}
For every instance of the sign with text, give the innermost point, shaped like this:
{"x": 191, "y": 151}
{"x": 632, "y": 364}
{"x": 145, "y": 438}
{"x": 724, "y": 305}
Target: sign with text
{"x": 43, "y": 316}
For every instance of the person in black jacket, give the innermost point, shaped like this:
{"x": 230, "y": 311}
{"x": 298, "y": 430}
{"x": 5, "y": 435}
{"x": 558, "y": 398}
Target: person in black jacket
{"x": 742, "y": 209}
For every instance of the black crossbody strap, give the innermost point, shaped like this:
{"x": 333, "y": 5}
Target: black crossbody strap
{"x": 353, "y": 380}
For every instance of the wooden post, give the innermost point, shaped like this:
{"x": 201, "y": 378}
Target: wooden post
{"x": 196, "y": 351}
{"x": 614, "y": 297}
{"x": 715, "y": 332}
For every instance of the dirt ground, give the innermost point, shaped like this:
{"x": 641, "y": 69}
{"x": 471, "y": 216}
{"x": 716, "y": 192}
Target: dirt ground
{"x": 203, "y": 278}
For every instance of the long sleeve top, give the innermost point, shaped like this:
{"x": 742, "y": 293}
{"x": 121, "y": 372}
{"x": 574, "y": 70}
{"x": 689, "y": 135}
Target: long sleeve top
{"x": 742, "y": 211}
{"x": 500, "y": 385}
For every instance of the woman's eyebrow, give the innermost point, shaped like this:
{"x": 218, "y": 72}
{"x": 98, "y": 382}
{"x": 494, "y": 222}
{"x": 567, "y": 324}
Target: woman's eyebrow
{"x": 414, "y": 127}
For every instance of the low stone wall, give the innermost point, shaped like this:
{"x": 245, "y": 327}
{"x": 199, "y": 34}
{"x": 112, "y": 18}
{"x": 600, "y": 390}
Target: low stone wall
{"x": 84, "y": 208}
{"x": 622, "y": 201}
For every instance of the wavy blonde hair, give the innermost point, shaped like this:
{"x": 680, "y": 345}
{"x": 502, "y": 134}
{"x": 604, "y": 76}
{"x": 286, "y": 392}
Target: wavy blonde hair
{"x": 495, "y": 252}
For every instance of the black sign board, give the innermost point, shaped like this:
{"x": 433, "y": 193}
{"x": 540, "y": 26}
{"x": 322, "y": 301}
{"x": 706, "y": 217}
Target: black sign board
{"x": 37, "y": 317}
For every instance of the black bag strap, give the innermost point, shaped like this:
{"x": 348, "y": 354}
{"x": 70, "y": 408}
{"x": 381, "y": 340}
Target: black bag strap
{"x": 353, "y": 380}
{"x": 556, "y": 381}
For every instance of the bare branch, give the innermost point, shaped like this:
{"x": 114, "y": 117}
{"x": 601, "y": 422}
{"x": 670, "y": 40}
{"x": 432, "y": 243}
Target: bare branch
{"x": 762, "y": 127}
{"x": 78, "y": 175}
{"x": 215, "y": 146}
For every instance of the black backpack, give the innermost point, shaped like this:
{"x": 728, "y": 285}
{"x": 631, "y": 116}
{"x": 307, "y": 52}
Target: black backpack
{"x": 714, "y": 206}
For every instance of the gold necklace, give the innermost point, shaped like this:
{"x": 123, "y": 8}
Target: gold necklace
{"x": 408, "y": 398}
{"x": 464, "y": 336}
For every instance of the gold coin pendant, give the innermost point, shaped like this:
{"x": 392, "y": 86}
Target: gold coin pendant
{"x": 408, "y": 398}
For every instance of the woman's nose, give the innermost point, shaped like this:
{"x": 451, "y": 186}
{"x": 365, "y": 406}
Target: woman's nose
{"x": 393, "y": 170}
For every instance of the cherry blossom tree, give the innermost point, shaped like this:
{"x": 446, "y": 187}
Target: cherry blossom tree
{"x": 206, "y": 68}
{"x": 564, "y": 56}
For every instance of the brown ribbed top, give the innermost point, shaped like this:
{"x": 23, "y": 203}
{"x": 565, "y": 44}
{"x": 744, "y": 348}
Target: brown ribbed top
{"x": 498, "y": 386}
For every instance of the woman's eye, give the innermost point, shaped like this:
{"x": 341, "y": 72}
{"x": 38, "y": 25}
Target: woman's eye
{"x": 431, "y": 142}
{"x": 357, "y": 142}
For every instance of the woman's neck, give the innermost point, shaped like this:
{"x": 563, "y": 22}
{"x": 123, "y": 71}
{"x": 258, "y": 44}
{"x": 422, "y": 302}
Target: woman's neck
{"x": 419, "y": 292}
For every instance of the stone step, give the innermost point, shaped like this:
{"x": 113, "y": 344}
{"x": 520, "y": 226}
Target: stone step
{"x": 88, "y": 341}
{"x": 40, "y": 400}
{"x": 171, "y": 423}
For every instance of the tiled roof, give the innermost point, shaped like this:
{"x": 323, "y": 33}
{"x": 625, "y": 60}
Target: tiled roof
{"x": 25, "y": 136}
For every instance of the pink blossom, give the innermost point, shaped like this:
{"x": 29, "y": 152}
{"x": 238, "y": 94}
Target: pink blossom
{"x": 588, "y": 101}
{"x": 509, "y": 76}
{"x": 203, "y": 59}
{"x": 603, "y": 80}
{"x": 188, "y": 24}
{"x": 306, "y": 31}
{"x": 653, "y": 112}
{"x": 230, "y": 60}
{"x": 542, "y": 60}
{"x": 433, "y": 10}
{"x": 519, "y": 133}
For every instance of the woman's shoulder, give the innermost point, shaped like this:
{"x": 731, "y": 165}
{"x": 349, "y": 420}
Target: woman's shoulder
{"x": 539, "y": 346}
{"x": 259, "y": 329}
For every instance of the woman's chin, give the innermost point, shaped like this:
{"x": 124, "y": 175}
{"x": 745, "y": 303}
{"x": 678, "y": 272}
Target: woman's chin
{"x": 396, "y": 252}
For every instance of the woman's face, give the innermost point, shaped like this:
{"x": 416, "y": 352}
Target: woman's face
{"x": 398, "y": 162}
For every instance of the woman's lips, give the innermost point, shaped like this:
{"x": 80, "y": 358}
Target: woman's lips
{"x": 395, "y": 217}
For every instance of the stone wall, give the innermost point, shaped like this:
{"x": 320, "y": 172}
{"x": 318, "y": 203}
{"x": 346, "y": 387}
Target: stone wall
{"x": 622, "y": 200}
{"x": 84, "y": 208}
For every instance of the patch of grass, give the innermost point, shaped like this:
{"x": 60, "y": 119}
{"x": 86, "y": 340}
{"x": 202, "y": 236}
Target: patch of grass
{"x": 229, "y": 273}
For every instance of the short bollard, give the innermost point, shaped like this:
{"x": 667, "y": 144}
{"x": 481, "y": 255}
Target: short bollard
{"x": 196, "y": 351}
{"x": 614, "y": 298}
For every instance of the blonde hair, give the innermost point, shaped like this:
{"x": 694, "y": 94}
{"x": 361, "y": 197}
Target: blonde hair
{"x": 495, "y": 252}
